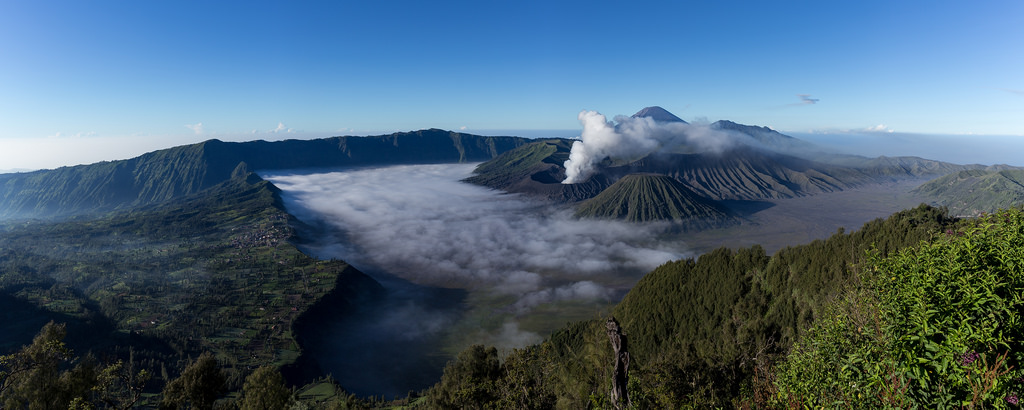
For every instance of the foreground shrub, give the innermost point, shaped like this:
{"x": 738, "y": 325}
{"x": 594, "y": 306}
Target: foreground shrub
{"x": 938, "y": 326}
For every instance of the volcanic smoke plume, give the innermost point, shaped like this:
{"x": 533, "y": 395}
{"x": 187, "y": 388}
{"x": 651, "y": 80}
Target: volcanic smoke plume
{"x": 632, "y": 138}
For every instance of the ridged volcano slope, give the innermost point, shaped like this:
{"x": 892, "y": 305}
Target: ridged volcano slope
{"x": 649, "y": 197}
{"x": 748, "y": 174}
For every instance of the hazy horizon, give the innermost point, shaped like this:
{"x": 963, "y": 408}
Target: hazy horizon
{"x": 87, "y": 82}
{"x": 25, "y": 155}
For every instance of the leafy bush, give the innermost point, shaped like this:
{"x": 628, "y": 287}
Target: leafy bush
{"x": 938, "y": 326}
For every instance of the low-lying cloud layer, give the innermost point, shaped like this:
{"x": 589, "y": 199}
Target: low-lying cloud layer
{"x": 629, "y": 139}
{"x": 421, "y": 224}
{"x": 513, "y": 257}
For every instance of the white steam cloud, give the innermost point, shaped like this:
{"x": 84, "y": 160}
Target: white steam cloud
{"x": 630, "y": 139}
{"x": 421, "y": 224}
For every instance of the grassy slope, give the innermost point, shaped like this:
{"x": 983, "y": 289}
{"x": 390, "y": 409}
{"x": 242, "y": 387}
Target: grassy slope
{"x": 513, "y": 166}
{"x": 975, "y": 191}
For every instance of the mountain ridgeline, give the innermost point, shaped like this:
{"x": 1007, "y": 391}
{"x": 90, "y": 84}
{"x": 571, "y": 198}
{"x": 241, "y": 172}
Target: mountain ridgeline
{"x": 760, "y": 164}
{"x": 756, "y": 164}
{"x": 973, "y": 192}
{"x": 175, "y": 172}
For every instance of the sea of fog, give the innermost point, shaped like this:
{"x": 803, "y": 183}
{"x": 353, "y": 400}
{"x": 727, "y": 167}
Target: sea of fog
{"x": 462, "y": 265}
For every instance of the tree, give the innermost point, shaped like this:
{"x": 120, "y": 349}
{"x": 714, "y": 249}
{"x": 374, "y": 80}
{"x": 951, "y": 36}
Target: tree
{"x": 469, "y": 382}
{"x": 31, "y": 377}
{"x": 199, "y": 385}
{"x": 121, "y": 387}
{"x": 265, "y": 389}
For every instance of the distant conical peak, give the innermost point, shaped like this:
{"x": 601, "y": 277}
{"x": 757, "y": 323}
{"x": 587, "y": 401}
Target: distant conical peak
{"x": 658, "y": 114}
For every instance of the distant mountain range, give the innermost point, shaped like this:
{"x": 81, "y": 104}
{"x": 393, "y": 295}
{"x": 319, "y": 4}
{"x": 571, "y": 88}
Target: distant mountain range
{"x": 973, "y": 192}
{"x": 176, "y": 172}
{"x": 763, "y": 165}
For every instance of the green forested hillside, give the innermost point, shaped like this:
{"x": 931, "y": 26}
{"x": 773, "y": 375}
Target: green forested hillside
{"x": 934, "y": 327}
{"x": 214, "y": 272}
{"x": 973, "y": 192}
{"x": 175, "y": 172}
{"x": 702, "y": 332}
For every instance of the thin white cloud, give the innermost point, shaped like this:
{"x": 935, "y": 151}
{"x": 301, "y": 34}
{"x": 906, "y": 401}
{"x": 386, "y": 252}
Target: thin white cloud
{"x": 61, "y": 135}
{"x": 805, "y": 99}
{"x": 878, "y": 128}
{"x": 281, "y": 128}
{"x": 197, "y": 128}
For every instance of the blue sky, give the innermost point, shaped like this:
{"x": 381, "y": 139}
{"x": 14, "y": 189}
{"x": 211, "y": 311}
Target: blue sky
{"x": 82, "y": 81}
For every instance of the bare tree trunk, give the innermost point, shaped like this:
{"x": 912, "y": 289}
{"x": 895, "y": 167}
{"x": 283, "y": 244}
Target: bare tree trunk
{"x": 620, "y": 373}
